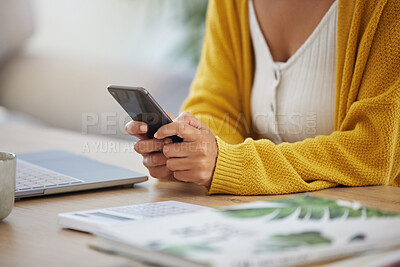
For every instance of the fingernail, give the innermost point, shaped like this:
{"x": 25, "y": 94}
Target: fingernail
{"x": 167, "y": 141}
{"x": 143, "y": 128}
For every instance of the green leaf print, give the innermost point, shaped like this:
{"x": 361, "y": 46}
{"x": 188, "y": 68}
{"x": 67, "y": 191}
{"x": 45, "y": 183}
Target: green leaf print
{"x": 308, "y": 208}
{"x": 248, "y": 213}
{"x": 281, "y": 242}
{"x": 187, "y": 248}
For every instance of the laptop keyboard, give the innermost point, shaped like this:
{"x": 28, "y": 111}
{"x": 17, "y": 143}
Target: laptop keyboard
{"x": 31, "y": 176}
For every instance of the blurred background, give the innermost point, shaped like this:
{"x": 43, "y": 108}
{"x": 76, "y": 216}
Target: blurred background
{"x": 57, "y": 58}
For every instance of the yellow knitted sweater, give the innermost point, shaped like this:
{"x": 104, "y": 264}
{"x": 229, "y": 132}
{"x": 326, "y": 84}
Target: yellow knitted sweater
{"x": 363, "y": 149}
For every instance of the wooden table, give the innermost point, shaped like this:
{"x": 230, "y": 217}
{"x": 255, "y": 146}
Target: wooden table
{"x": 30, "y": 236}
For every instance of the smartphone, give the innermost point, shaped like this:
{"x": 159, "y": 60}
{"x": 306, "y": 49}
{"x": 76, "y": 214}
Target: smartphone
{"x": 141, "y": 106}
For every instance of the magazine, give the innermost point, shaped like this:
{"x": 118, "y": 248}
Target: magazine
{"x": 291, "y": 231}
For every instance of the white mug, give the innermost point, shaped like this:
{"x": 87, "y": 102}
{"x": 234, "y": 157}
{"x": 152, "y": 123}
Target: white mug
{"x": 7, "y": 183}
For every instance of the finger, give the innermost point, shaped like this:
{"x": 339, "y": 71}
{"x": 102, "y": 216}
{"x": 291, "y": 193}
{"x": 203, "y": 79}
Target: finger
{"x": 169, "y": 178}
{"x": 190, "y": 119}
{"x": 179, "y": 164}
{"x": 170, "y": 115}
{"x": 148, "y": 146}
{"x": 185, "y": 175}
{"x": 140, "y": 136}
{"x": 159, "y": 171}
{"x": 192, "y": 176}
{"x": 137, "y": 128}
{"x": 154, "y": 159}
{"x": 179, "y": 128}
{"x": 179, "y": 150}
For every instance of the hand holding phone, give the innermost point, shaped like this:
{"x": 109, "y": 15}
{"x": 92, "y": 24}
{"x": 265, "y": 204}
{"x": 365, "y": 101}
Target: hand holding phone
{"x": 141, "y": 106}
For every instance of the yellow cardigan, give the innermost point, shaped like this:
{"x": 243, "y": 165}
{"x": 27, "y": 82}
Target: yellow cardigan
{"x": 363, "y": 149}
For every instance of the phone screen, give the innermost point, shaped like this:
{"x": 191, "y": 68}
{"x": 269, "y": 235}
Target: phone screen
{"x": 140, "y": 106}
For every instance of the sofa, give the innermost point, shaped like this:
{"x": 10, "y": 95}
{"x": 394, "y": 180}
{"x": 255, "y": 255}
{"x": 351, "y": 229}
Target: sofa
{"x": 57, "y": 58}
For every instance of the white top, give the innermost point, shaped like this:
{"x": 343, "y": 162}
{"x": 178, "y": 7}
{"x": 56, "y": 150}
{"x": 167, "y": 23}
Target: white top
{"x": 295, "y": 100}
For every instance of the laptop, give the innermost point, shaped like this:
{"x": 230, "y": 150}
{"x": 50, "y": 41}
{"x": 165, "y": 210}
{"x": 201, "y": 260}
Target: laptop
{"x": 58, "y": 171}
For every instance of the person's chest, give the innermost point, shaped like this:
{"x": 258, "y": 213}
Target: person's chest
{"x": 286, "y": 24}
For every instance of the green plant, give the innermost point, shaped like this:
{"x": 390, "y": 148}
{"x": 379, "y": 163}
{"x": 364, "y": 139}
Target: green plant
{"x": 193, "y": 21}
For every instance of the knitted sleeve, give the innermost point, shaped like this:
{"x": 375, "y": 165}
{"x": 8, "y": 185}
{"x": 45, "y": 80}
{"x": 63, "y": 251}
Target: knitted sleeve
{"x": 214, "y": 96}
{"x": 364, "y": 152}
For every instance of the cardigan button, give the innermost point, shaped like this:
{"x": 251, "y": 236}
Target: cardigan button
{"x": 272, "y": 107}
{"x": 276, "y": 74}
